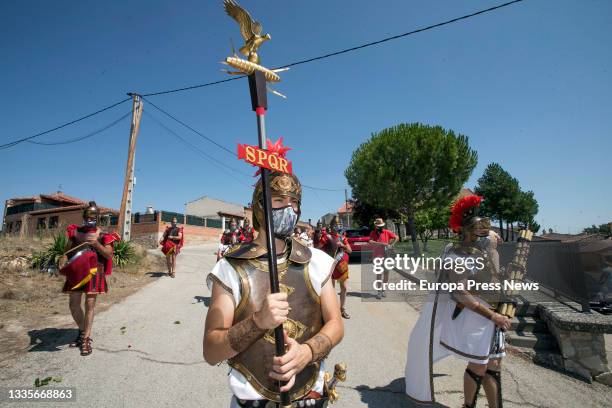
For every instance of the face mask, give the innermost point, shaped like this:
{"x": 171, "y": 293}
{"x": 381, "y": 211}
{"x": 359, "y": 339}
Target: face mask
{"x": 232, "y": 228}
{"x": 284, "y": 220}
{"x": 90, "y": 223}
{"x": 173, "y": 223}
{"x": 379, "y": 229}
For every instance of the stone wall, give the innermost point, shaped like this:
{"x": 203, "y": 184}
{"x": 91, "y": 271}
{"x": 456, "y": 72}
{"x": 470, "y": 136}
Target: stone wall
{"x": 581, "y": 340}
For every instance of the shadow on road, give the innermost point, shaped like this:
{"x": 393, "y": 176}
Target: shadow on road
{"x": 156, "y": 274}
{"x": 392, "y": 395}
{"x": 203, "y": 299}
{"x": 362, "y": 295}
{"x": 50, "y": 339}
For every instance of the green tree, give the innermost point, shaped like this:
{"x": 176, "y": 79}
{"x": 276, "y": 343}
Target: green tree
{"x": 364, "y": 214}
{"x": 505, "y": 201}
{"x": 605, "y": 229}
{"x": 526, "y": 207}
{"x": 500, "y": 191}
{"x": 428, "y": 220}
{"x": 410, "y": 167}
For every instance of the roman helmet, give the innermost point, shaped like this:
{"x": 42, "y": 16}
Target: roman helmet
{"x": 91, "y": 211}
{"x": 282, "y": 184}
{"x": 465, "y": 218}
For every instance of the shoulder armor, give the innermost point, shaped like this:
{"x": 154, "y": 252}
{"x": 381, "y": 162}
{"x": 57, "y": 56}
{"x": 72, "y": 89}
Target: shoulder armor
{"x": 246, "y": 250}
{"x": 300, "y": 253}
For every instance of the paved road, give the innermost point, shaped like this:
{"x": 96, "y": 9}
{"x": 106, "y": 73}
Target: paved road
{"x": 158, "y": 362}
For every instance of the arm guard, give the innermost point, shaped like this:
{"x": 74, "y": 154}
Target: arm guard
{"x": 243, "y": 334}
{"x": 320, "y": 346}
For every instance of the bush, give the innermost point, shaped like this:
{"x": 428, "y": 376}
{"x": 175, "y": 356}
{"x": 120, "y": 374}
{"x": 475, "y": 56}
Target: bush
{"x": 124, "y": 254}
{"x": 50, "y": 257}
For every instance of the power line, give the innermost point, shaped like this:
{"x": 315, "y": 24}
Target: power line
{"x": 78, "y": 139}
{"x": 212, "y": 141}
{"x": 197, "y": 149}
{"x": 323, "y": 189}
{"x": 189, "y": 127}
{"x": 344, "y": 51}
{"x": 395, "y": 37}
{"x": 188, "y": 88}
{"x": 454, "y": 20}
{"x": 16, "y": 142}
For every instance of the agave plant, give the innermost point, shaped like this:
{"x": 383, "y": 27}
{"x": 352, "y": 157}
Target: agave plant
{"x": 123, "y": 254}
{"x": 49, "y": 258}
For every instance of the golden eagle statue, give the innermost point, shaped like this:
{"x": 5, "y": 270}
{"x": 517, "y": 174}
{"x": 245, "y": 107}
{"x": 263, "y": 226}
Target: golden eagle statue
{"x": 249, "y": 28}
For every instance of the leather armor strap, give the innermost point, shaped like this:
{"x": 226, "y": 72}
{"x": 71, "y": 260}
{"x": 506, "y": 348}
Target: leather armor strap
{"x": 320, "y": 346}
{"x": 243, "y": 334}
{"x": 478, "y": 380}
{"x": 496, "y": 375}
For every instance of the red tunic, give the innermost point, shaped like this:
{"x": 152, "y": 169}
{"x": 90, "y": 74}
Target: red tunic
{"x": 170, "y": 246}
{"x": 341, "y": 270}
{"x": 97, "y": 283}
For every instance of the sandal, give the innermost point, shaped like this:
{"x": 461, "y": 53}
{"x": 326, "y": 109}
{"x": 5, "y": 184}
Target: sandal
{"x": 344, "y": 314}
{"x": 77, "y": 341}
{"x": 86, "y": 346}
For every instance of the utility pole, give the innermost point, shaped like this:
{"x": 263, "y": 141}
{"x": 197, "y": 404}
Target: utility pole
{"x": 125, "y": 213}
{"x": 348, "y": 215}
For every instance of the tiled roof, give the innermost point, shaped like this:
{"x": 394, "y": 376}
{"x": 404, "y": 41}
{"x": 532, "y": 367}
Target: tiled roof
{"x": 59, "y": 196}
{"x": 346, "y": 208}
{"x": 72, "y": 208}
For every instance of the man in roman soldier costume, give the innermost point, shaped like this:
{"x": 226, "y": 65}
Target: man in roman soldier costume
{"x": 318, "y": 234}
{"x": 90, "y": 256}
{"x": 247, "y": 231}
{"x": 463, "y": 322}
{"x": 172, "y": 242}
{"x": 243, "y": 313}
{"x": 336, "y": 245}
{"x": 231, "y": 236}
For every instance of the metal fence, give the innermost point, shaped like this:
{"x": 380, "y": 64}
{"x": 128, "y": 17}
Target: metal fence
{"x": 579, "y": 271}
{"x": 166, "y": 216}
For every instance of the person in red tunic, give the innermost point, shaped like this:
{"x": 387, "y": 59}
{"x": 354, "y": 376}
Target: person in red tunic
{"x": 382, "y": 241}
{"x": 90, "y": 255}
{"x": 172, "y": 242}
{"x": 336, "y": 245}
{"x": 247, "y": 231}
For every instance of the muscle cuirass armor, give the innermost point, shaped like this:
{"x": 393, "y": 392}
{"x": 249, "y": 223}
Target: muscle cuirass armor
{"x": 489, "y": 274}
{"x": 331, "y": 246}
{"x": 304, "y": 320}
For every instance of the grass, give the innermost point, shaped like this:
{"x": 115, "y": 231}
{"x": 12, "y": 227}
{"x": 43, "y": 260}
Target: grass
{"x": 434, "y": 247}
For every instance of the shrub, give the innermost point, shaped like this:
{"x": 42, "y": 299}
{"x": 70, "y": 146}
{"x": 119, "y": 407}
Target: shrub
{"x": 124, "y": 254}
{"x": 50, "y": 257}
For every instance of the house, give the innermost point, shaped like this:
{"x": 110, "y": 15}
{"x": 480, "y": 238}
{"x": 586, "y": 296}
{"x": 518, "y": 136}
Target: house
{"x": 44, "y": 213}
{"x": 213, "y": 208}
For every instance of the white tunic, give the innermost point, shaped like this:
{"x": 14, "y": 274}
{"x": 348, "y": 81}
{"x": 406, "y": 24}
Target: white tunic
{"x": 436, "y": 336}
{"x": 319, "y": 270}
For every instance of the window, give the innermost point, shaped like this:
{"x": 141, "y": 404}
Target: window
{"x": 17, "y": 226}
{"x": 9, "y": 227}
{"x": 53, "y": 222}
{"x": 42, "y": 223}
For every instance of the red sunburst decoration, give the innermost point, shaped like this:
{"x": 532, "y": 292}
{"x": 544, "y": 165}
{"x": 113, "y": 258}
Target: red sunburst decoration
{"x": 275, "y": 148}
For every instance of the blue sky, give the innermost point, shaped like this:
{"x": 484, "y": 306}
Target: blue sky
{"x": 528, "y": 84}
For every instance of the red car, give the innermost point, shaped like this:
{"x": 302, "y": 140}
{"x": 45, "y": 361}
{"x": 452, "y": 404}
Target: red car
{"x": 359, "y": 239}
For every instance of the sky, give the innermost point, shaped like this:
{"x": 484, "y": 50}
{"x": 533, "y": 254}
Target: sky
{"x": 528, "y": 84}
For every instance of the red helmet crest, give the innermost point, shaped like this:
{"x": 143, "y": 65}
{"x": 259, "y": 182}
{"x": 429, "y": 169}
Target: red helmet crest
{"x": 462, "y": 209}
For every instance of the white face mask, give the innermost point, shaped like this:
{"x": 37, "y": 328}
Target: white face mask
{"x": 90, "y": 223}
{"x": 284, "y": 220}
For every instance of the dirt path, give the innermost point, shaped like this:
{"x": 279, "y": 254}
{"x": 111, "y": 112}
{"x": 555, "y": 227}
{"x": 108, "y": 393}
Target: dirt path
{"x": 157, "y": 360}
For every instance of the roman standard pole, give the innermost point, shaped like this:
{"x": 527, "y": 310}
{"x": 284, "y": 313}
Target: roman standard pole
{"x": 259, "y": 102}
{"x": 124, "y": 225}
